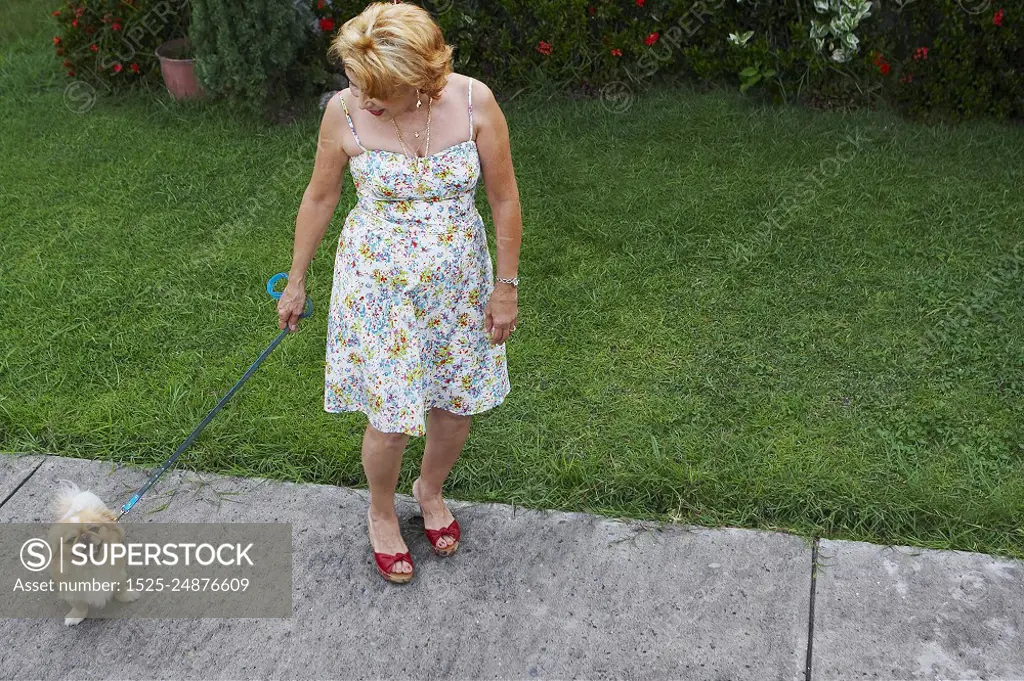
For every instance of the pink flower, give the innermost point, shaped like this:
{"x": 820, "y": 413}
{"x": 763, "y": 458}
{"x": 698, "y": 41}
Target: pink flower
{"x": 117, "y": 68}
{"x": 116, "y": 27}
{"x": 616, "y": 52}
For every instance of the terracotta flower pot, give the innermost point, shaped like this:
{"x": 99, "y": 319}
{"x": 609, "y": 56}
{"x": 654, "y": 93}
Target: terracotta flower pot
{"x": 179, "y": 74}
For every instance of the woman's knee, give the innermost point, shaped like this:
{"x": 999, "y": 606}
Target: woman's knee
{"x": 450, "y": 415}
{"x": 396, "y": 440}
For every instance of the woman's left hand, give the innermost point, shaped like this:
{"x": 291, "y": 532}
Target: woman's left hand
{"x": 502, "y": 313}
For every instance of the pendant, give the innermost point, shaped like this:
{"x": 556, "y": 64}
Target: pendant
{"x": 417, "y": 135}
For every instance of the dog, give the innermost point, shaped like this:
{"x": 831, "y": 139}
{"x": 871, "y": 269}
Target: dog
{"x": 85, "y": 525}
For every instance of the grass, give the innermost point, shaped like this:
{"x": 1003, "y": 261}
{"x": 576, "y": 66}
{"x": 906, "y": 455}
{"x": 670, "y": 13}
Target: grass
{"x": 851, "y": 367}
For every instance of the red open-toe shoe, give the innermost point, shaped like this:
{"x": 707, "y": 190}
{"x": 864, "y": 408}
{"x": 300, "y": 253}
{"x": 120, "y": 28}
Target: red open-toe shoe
{"x": 386, "y": 561}
{"x": 435, "y": 536}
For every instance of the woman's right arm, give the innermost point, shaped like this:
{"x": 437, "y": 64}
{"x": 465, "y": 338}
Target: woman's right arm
{"x": 319, "y": 202}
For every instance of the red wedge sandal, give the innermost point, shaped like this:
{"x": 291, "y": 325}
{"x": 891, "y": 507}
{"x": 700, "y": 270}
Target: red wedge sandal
{"x": 453, "y": 531}
{"x": 435, "y": 536}
{"x": 386, "y": 561}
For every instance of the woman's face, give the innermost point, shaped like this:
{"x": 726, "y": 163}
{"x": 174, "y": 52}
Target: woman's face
{"x": 378, "y": 107}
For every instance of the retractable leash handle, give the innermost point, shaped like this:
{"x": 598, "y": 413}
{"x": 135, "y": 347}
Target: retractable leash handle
{"x": 272, "y": 282}
{"x": 224, "y": 400}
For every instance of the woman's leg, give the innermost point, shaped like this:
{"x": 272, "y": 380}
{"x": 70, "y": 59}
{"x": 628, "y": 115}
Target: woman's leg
{"x": 382, "y": 461}
{"x": 446, "y": 435}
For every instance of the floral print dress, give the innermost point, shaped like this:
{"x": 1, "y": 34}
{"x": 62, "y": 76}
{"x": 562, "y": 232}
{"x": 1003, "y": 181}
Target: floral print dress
{"x": 412, "y": 277}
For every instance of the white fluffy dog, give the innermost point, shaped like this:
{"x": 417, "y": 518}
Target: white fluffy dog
{"x": 83, "y": 520}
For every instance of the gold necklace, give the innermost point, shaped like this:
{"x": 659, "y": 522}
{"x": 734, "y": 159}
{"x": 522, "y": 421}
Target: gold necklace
{"x": 416, "y": 158}
{"x": 416, "y": 133}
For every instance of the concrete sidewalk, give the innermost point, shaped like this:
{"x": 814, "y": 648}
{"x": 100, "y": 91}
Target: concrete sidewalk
{"x": 533, "y": 595}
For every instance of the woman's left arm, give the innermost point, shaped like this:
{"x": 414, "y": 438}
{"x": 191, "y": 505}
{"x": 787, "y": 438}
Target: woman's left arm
{"x": 492, "y": 141}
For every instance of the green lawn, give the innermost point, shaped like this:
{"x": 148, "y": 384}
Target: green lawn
{"x": 851, "y": 368}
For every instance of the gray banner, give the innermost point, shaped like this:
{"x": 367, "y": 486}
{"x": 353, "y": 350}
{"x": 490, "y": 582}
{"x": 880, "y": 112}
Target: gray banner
{"x": 147, "y": 570}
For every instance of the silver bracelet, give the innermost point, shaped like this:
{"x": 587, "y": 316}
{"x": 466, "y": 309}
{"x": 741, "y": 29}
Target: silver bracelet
{"x": 514, "y": 281}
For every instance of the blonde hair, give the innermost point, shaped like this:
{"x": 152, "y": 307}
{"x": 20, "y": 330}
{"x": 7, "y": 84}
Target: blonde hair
{"x": 389, "y": 45}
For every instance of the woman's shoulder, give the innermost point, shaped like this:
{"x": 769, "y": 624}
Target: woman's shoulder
{"x": 481, "y": 93}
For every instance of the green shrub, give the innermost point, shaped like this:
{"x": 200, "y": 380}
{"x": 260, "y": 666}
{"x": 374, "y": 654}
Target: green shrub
{"x": 826, "y": 52}
{"x": 964, "y": 64}
{"x": 822, "y": 51}
{"x": 249, "y": 52}
{"x": 110, "y": 43}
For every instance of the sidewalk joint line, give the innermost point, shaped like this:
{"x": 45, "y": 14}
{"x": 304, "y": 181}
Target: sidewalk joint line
{"x": 810, "y": 613}
{"x": 22, "y": 483}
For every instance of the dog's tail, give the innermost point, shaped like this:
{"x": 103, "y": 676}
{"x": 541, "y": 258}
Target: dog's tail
{"x": 66, "y": 499}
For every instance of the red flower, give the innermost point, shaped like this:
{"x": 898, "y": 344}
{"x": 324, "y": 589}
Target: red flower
{"x": 135, "y": 67}
{"x": 616, "y": 52}
{"x": 71, "y": 74}
{"x": 639, "y": 3}
{"x": 651, "y": 39}
{"x": 56, "y": 12}
{"x": 320, "y": 4}
{"x": 885, "y": 68}
{"x": 327, "y": 24}
{"x": 117, "y": 68}
{"x": 592, "y": 10}
{"x": 67, "y": 63}
{"x": 74, "y": 22}
{"x": 920, "y": 53}
{"x": 56, "y": 40}
{"x": 116, "y": 27}
{"x": 997, "y": 18}
{"x": 94, "y": 48}
{"x": 544, "y": 48}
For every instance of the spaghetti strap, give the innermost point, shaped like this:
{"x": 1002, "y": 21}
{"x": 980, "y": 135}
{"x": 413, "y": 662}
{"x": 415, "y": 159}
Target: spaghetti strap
{"x": 471, "y": 108}
{"x": 350, "y": 125}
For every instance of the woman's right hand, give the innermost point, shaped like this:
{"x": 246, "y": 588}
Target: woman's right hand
{"x": 291, "y": 305}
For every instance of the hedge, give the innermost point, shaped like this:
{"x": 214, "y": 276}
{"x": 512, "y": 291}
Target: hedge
{"x": 958, "y": 58}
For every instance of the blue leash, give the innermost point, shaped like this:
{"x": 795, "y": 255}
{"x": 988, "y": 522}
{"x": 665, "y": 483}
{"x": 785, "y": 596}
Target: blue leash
{"x": 224, "y": 400}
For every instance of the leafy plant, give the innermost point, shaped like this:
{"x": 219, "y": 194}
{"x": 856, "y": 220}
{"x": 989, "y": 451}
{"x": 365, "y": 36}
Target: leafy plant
{"x": 110, "y": 43}
{"x": 835, "y": 28}
{"x": 752, "y": 75}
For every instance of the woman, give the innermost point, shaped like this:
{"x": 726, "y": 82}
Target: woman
{"x": 418, "y": 319}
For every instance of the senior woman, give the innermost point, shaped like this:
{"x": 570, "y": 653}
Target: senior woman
{"x": 418, "y": 317}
